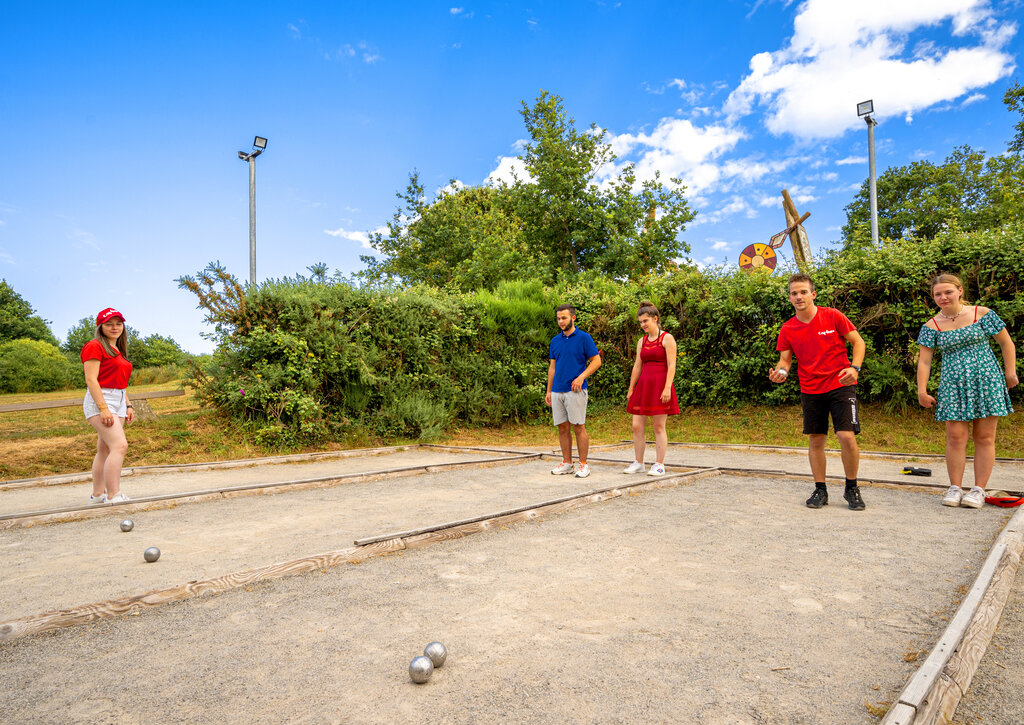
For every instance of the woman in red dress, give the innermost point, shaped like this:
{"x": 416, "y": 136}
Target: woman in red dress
{"x": 651, "y": 393}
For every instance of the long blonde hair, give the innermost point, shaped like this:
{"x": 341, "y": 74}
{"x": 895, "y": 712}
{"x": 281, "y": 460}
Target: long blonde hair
{"x": 121, "y": 342}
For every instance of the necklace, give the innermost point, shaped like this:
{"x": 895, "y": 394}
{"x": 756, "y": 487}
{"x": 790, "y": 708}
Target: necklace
{"x": 953, "y": 318}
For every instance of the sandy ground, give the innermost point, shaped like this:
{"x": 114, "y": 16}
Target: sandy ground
{"x": 157, "y": 483}
{"x": 721, "y": 601}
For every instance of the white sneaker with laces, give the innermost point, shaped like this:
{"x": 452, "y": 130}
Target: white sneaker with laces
{"x": 119, "y": 498}
{"x": 974, "y": 499}
{"x": 582, "y": 471}
{"x": 953, "y": 496}
{"x": 563, "y": 468}
{"x": 634, "y": 467}
{"x": 657, "y": 469}
{"x": 102, "y": 498}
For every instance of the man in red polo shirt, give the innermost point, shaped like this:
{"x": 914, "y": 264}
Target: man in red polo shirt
{"x": 817, "y": 336}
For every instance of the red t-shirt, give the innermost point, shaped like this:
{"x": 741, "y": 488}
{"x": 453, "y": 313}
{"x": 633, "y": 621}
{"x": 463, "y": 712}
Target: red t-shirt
{"x": 114, "y": 369}
{"x": 819, "y": 347}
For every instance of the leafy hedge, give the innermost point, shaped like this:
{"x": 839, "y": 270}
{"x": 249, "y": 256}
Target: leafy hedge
{"x": 311, "y": 358}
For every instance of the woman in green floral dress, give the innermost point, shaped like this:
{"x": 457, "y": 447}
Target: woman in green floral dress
{"x": 972, "y": 388}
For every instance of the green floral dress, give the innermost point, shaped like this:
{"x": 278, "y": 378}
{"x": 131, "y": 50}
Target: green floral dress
{"x": 971, "y": 384}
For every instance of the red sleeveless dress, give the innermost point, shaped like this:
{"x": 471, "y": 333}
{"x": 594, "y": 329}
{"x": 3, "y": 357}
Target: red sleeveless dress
{"x": 646, "y": 397}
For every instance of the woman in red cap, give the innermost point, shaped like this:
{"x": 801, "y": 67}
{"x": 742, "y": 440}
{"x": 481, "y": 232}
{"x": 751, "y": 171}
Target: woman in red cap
{"x": 106, "y": 404}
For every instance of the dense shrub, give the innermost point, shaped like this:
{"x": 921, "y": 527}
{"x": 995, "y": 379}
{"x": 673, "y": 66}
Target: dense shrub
{"x": 304, "y": 359}
{"x": 33, "y": 366}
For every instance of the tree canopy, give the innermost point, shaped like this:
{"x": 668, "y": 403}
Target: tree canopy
{"x": 559, "y": 218}
{"x": 18, "y": 321}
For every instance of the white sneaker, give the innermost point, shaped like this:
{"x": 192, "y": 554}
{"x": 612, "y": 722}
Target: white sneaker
{"x": 953, "y": 496}
{"x": 102, "y": 498}
{"x": 974, "y": 499}
{"x": 634, "y": 467}
{"x": 119, "y": 498}
{"x": 657, "y": 469}
{"x": 582, "y": 471}
{"x": 562, "y": 468}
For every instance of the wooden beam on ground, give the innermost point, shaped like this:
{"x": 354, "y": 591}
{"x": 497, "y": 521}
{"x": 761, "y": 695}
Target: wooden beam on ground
{"x": 803, "y": 449}
{"x": 34, "y": 624}
{"x": 170, "y": 500}
{"x": 508, "y": 512}
{"x": 927, "y": 683}
{"x": 61, "y": 479}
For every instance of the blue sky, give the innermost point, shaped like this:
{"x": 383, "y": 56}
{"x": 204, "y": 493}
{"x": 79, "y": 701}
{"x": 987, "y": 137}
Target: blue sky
{"x": 120, "y": 122}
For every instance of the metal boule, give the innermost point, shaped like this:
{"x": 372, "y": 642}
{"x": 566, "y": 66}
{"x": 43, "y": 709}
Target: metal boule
{"x": 437, "y": 653}
{"x": 151, "y": 554}
{"x": 420, "y": 669}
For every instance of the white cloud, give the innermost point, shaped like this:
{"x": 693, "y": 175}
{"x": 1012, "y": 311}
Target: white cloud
{"x": 850, "y": 160}
{"x": 82, "y": 238}
{"x": 734, "y": 205}
{"x": 453, "y": 186}
{"x": 6, "y": 258}
{"x": 363, "y": 238}
{"x": 509, "y": 169}
{"x": 973, "y": 98}
{"x": 720, "y": 245}
{"x": 296, "y": 33}
{"x": 456, "y": 11}
{"x": 843, "y": 53}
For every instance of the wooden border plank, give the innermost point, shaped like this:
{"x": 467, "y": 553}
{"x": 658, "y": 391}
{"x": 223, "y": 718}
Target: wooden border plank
{"x": 923, "y": 684}
{"x": 151, "y": 503}
{"x": 68, "y": 403}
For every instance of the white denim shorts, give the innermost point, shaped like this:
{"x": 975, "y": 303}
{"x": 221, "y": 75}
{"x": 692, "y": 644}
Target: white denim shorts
{"x": 117, "y": 402}
{"x": 571, "y": 407}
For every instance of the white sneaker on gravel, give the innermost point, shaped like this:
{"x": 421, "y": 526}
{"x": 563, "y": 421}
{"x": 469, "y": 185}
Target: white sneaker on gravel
{"x": 634, "y": 467}
{"x": 119, "y": 498}
{"x": 974, "y": 499}
{"x": 102, "y": 498}
{"x": 657, "y": 469}
{"x": 563, "y": 468}
{"x": 582, "y": 471}
{"x": 953, "y": 496}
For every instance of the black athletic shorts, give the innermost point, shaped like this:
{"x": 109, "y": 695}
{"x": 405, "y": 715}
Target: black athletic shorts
{"x": 841, "y": 403}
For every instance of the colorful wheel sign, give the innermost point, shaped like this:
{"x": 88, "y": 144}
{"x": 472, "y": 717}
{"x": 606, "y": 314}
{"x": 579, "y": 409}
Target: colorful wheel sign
{"x": 758, "y": 256}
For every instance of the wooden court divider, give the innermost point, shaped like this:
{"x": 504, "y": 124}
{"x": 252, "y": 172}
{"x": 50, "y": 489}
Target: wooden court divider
{"x": 83, "y": 614}
{"x": 170, "y": 500}
{"x": 60, "y": 479}
{"x": 934, "y": 691}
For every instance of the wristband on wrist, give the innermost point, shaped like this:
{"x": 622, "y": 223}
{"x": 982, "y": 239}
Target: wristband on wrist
{"x": 856, "y": 367}
{"x": 129, "y": 406}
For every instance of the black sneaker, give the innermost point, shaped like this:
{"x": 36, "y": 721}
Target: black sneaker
{"x": 818, "y": 499}
{"x": 853, "y": 498}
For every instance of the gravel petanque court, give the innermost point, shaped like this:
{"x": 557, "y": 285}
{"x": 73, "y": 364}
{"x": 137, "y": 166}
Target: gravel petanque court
{"x": 720, "y": 600}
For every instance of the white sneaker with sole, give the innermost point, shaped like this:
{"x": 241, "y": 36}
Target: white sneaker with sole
{"x": 102, "y": 498}
{"x": 119, "y": 498}
{"x": 657, "y": 469}
{"x": 974, "y": 499}
{"x": 563, "y": 468}
{"x": 953, "y": 496}
{"x": 582, "y": 471}
{"x": 634, "y": 467}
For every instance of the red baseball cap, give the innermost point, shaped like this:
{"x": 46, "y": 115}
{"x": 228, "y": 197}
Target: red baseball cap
{"x": 106, "y": 314}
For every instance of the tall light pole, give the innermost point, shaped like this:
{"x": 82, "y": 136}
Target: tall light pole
{"x": 865, "y": 109}
{"x": 259, "y": 145}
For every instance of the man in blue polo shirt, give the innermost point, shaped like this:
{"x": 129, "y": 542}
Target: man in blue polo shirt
{"x": 573, "y": 358}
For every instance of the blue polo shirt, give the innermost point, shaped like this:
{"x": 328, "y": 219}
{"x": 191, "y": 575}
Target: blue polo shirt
{"x": 570, "y": 355}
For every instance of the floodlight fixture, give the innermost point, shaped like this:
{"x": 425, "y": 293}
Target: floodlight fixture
{"x": 865, "y": 108}
{"x": 259, "y": 143}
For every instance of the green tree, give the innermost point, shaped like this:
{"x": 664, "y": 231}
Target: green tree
{"x": 144, "y": 352}
{"x": 33, "y": 366}
{"x": 967, "y": 191}
{"x": 469, "y": 237}
{"x": 18, "y": 320}
{"x": 558, "y": 219}
{"x": 1014, "y": 101}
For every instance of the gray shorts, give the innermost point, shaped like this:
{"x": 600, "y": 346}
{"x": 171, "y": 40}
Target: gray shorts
{"x": 570, "y": 407}
{"x": 115, "y": 399}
